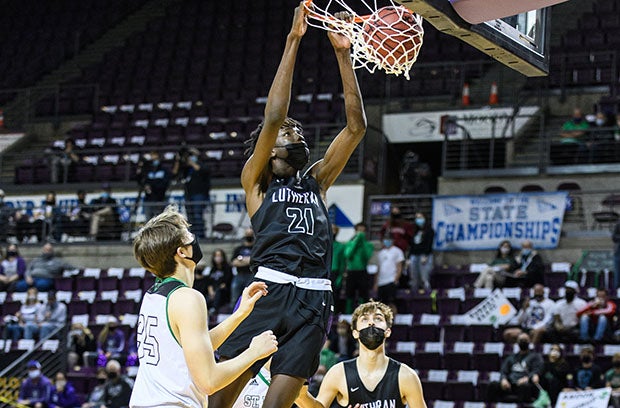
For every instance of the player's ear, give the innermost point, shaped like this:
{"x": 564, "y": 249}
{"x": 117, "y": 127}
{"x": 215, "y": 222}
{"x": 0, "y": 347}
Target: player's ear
{"x": 181, "y": 252}
{"x": 356, "y": 334}
{"x": 388, "y": 332}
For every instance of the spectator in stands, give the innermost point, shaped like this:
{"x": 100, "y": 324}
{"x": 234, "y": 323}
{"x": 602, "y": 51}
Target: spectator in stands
{"x": 421, "y": 261}
{"x": 36, "y": 390}
{"x": 390, "y": 259}
{"x": 338, "y": 265}
{"x": 96, "y": 395}
{"x": 554, "y": 377}
{"x": 79, "y": 216}
{"x": 13, "y": 271}
{"x": 82, "y": 347}
{"x": 573, "y": 132}
{"x": 219, "y": 276}
{"x": 6, "y": 215}
{"x": 104, "y": 213}
{"x": 565, "y": 321}
{"x": 397, "y": 229}
{"x": 117, "y": 390}
{"x": 47, "y": 219}
{"x": 26, "y": 321}
{"x": 357, "y": 252}
{"x": 596, "y": 315}
{"x": 54, "y": 315}
{"x": 612, "y": 380}
{"x": 132, "y": 350}
{"x": 588, "y": 375}
{"x": 44, "y": 269}
{"x": 64, "y": 395}
{"x": 601, "y": 139}
{"x": 616, "y": 240}
{"x": 415, "y": 175}
{"x": 530, "y": 268}
{"x": 519, "y": 374}
{"x": 533, "y": 317}
{"x": 241, "y": 262}
{"x": 195, "y": 175}
{"x": 495, "y": 274}
{"x": 62, "y": 164}
{"x": 111, "y": 342}
{"x": 341, "y": 342}
{"x": 155, "y": 180}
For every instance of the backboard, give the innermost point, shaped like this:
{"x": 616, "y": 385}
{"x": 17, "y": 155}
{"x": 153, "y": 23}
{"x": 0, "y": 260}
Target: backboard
{"x": 519, "y": 41}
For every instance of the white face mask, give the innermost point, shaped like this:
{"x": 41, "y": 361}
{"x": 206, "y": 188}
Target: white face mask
{"x": 600, "y": 122}
{"x": 34, "y": 373}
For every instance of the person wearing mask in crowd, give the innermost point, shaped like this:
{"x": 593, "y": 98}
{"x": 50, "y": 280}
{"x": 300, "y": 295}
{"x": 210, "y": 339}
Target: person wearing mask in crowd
{"x": 565, "y": 325}
{"x": 104, "y": 213}
{"x": 241, "y": 263}
{"x": 390, "y": 259}
{"x": 397, "y": 229}
{"x": 44, "y": 269}
{"x": 520, "y": 372}
{"x": 195, "y": 175}
{"x": 338, "y": 265}
{"x": 63, "y": 164}
{"x": 616, "y": 240}
{"x": 503, "y": 264}
{"x": 533, "y": 317}
{"x": 54, "y": 315}
{"x": 79, "y": 216}
{"x": 219, "y": 277}
{"x": 612, "y": 380}
{"x": 6, "y": 216}
{"x": 94, "y": 399}
{"x": 596, "y": 315}
{"x": 421, "y": 261}
{"x": 530, "y": 269}
{"x": 554, "y": 376}
{"x": 155, "y": 179}
{"x": 26, "y": 320}
{"x": 13, "y": 271}
{"x": 36, "y": 391}
{"x": 111, "y": 342}
{"x": 45, "y": 222}
{"x": 64, "y": 394}
{"x": 574, "y": 130}
{"x": 82, "y": 347}
{"x": 357, "y": 252}
{"x": 117, "y": 390}
{"x": 587, "y": 375}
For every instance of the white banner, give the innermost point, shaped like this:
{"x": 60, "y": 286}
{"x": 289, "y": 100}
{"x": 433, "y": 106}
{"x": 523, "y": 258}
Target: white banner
{"x": 598, "y": 398}
{"x": 495, "y": 310}
{"x": 482, "y": 222}
{"x": 478, "y": 123}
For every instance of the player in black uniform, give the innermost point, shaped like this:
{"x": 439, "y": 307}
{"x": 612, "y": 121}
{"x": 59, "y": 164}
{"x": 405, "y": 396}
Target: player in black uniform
{"x": 350, "y": 382}
{"x": 292, "y": 250}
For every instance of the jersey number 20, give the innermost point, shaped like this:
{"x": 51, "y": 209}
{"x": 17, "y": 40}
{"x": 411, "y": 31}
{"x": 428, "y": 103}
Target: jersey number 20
{"x": 302, "y": 220}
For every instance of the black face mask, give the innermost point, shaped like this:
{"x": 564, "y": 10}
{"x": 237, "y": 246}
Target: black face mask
{"x": 570, "y": 296}
{"x": 524, "y": 345}
{"x": 616, "y": 364}
{"x": 112, "y": 375}
{"x": 100, "y": 380}
{"x": 372, "y": 337}
{"x": 586, "y": 359}
{"x": 196, "y": 252}
{"x": 248, "y": 239}
{"x": 11, "y": 253}
{"x": 298, "y": 155}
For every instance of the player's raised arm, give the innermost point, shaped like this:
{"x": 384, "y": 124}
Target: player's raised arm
{"x": 346, "y": 141}
{"x": 276, "y": 109}
{"x": 190, "y": 329}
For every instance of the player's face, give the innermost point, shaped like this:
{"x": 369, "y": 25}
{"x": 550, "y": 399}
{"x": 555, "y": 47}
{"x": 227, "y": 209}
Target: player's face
{"x": 287, "y": 135}
{"x": 374, "y": 318}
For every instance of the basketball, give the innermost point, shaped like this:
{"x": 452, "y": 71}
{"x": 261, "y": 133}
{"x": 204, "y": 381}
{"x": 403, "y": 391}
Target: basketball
{"x": 394, "y": 34}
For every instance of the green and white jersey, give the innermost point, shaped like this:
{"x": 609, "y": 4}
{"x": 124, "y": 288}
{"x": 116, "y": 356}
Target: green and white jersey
{"x": 163, "y": 378}
{"x": 254, "y": 392}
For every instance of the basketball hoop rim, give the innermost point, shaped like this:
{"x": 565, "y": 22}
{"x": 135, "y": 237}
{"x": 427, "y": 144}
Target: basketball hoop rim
{"x": 319, "y": 17}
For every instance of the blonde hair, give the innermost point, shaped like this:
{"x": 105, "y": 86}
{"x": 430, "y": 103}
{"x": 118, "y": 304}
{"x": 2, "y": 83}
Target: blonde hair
{"x": 156, "y": 243}
{"x": 369, "y": 307}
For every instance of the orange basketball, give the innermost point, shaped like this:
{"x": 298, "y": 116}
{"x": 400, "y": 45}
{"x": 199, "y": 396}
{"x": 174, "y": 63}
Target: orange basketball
{"x": 394, "y": 34}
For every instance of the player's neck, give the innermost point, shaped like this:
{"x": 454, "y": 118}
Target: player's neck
{"x": 372, "y": 359}
{"x": 185, "y": 275}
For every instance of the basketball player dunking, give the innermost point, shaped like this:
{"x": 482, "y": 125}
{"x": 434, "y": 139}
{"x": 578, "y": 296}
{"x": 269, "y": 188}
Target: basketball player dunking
{"x": 292, "y": 249}
{"x": 372, "y": 379}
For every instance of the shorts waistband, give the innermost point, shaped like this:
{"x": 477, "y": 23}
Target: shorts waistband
{"x": 274, "y": 276}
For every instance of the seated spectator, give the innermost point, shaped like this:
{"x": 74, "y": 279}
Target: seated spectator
{"x": 601, "y": 139}
{"x": 82, "y": 347}
{"x": 104, "y": 216}
{"x": 341, "y": 342}
{"x": 63, "y": 163}
{"x": 46, "y": 220}
{"x": 530, "y": 268}
{"x": 574, "y": 132}
{"x": 503, "y": 263}
{"x": 519, "y": 374}
{"x": 6, "y": 217}
{"x": 554, "y": 376}
{"x": 36, "y": 391}
{"x": 219, "y": 276}
{"x": 13, "y": 271}
{"x": 80, "y": 214}
{"x": 111, "y": 342}
{"x": 587, "y": 375}
{"x": 117, "y": 390}
{"x": 26, "y": 321}
{"x": 64, "y": 394}
{"x": 595, "y": 315}
{"x": 43, "y": 270}
{"x": 54, "y": 315}
{"x": 612, "y": 380}
{"x": 95, "y": 398}
{"x": 533, "y": 317}
{"x": 564, "y": 328}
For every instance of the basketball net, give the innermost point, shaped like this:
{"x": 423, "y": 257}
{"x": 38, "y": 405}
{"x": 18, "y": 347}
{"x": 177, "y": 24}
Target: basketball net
{"x": 385, "y": 54}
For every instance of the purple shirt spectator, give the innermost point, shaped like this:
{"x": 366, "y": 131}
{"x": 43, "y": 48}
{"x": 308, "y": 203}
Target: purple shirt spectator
{"x": 37, "y": 387}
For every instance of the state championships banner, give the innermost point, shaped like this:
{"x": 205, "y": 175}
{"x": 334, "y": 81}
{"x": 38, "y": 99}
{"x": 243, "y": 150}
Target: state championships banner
{"x": 483, "y": 221}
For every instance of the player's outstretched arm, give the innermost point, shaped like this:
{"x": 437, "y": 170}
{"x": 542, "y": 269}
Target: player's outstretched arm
{"x": 346, "y": 141}
{"x": 190, "y": 330}
{"x": 331, "y": 386}
{"x": 250, "y": 295}
{"x": 278, "y": 101}
{"x": 411, "y": 387}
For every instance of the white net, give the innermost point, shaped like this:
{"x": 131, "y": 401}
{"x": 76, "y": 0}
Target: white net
{"x": 387, "y": 38}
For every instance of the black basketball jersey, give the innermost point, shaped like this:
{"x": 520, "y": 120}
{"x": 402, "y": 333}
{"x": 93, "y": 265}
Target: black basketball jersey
{"x": 292, "y": 229}
{"x": 385, "y": 395}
